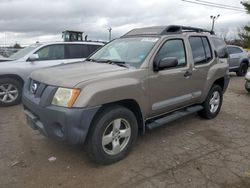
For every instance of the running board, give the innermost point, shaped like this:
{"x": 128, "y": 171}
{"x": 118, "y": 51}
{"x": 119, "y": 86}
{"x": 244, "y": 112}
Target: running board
{"x": 173, "y": 116}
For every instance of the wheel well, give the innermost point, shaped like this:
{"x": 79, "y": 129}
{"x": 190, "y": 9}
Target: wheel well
{"x": 220, "y": 82}
{"x": 131, "y": 105}
{"x": 13, "y": 76}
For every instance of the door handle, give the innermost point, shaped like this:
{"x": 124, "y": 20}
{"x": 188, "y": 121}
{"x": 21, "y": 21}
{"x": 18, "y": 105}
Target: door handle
{"x": 188, "y": 73}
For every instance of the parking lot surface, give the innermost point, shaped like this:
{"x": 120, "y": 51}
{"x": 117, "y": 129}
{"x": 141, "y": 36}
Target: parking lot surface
{"x": 190, "y": 152}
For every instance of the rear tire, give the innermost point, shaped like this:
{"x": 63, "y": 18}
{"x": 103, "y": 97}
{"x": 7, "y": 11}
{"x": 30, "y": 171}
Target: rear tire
{"x": 242, "y": 69}
{"x": 247, "y": 86}
{"x": 10, "y": 92}
{"x": 212, "y": 104}
{"x": 112, "y": 135}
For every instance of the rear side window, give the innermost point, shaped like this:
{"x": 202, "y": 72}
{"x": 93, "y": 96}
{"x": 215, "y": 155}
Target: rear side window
{"x": 233, "y": 50}
{"x": 200, "y": 49}
{"x": 173, "y": 48}
{"x": 207, "y": 48}
{"x": 77, "y": 51}
{"x": 52, "y": 52}
{"x": 93, "y": 48}
{"x": 220, "y": 47}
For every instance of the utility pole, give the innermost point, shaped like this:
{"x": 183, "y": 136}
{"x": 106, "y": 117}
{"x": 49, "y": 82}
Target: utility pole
{"x": 4, "y": 39}
{"x": 109, "y": 29}
{"x": 214, "y": 18}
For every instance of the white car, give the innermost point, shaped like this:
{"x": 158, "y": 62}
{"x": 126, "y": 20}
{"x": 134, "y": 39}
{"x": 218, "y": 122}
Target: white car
{"x": 3, "y": 59}
{"x": 13, "y": 73}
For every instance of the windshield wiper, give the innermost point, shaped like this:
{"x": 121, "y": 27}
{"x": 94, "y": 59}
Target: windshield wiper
{"x": 89, "y": 59}
{"x": 112, "y": 62}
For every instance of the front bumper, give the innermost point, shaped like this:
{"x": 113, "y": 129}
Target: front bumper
{"x": 67, "y": 124}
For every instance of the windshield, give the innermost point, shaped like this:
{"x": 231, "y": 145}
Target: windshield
{"x": 130, "y": 51}
{"x": 24, "y": 51}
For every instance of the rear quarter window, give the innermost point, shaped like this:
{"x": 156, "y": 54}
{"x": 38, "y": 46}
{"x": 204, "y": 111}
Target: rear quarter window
{"x": 220, "y": 47}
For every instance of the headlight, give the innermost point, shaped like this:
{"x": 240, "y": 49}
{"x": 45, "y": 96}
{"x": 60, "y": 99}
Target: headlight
{"x": 65, "y": 97}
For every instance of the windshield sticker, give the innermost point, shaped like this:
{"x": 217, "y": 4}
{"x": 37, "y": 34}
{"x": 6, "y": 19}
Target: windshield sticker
{"x": 149, "y": 39}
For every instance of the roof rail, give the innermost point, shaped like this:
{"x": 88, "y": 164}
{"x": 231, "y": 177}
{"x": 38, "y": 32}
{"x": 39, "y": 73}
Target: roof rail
{"x": 165, "y": 30}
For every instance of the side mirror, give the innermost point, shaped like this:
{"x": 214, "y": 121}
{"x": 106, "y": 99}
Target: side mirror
{"x": 33, "y": 57}
{"x": 223, "y": 53}
{"x": 168, "y": 62}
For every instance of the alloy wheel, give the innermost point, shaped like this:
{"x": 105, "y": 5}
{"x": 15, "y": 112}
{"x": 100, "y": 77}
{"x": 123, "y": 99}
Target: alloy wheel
{"x": 8, "y": 93}
{"x": 116, "y": 136}
{"x": 214, "y": 102}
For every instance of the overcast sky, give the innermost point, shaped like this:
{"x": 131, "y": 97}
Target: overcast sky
{"x": 27, "y": 21}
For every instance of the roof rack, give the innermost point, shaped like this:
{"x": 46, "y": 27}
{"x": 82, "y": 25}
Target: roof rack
{"x": 166, "y": 30}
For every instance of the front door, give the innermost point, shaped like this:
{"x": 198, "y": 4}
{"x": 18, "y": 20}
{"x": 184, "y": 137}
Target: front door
{"x": 172, "y": 88}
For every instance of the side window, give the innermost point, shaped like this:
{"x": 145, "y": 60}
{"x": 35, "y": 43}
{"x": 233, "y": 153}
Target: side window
{"x": 220, "y": 47}
{"x": 234, "y": 50}
{"x": 77, "y": 51}
{"x": 198, "y": 50}
{"x": 93, "y": 48}
{"x": 173, "y": 48}
{"x": 52, "y": 52}
{"x": 207, "y": 49}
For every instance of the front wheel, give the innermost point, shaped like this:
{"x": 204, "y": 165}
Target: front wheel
{"x": 247, "y": 86}
{"x": 10, "y": 92}
{"x": 112, "y": 135}
{"x": 212, "y": 104}
{"x": 242, "y": 69}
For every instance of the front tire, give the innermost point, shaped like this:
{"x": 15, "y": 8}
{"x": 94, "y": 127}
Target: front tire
{"x": 112, "y": 135}
{"x": 247, "y": 86}
{"x": 242, "y": 69}
{"x": 10, "y": 92}
{"x": 212, "y": 104}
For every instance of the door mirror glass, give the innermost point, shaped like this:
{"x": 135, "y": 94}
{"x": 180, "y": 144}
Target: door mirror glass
{"x": 168, "y": 62}
{"x": 223, "y": 53}
{"x": 33, "y": 57}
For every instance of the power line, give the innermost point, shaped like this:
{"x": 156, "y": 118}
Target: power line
{"x": 216, "y": 6}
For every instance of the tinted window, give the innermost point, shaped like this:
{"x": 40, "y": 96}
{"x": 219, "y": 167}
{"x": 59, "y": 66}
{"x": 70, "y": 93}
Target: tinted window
{"x": 93, "y": 48}
{"x": 173, "y": 48}
{"x": 52, "y": 52}
{"x": 207, "y": 48}
{"x": 198, "y": 50}
{"x": 77, "y": 51}
{"x": 233, "y": 50}
{"x": 220, "y": 47}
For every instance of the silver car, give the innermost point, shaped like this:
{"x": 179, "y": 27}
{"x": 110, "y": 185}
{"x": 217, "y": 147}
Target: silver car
{"x": 247, "y": 84}
{"x": 14, "y": 73}
{"x": 238, "y": 60}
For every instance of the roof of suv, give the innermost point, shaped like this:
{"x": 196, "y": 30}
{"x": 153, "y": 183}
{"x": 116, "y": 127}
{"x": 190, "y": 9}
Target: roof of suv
{"x": 165, "y": 30}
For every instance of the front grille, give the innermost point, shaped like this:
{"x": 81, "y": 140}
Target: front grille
{"x": 36, "y": 88}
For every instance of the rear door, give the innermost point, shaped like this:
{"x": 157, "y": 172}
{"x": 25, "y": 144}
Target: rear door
{"x": 79, "y": 52}
{"x": 76, "y": 52}
{"x": 203, "y": 59}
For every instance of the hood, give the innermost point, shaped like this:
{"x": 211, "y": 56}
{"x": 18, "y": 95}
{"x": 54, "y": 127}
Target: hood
{"x": 9, "y": 64}
{"x": 72, "y": 74}
{"x": 4, "y": 59}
